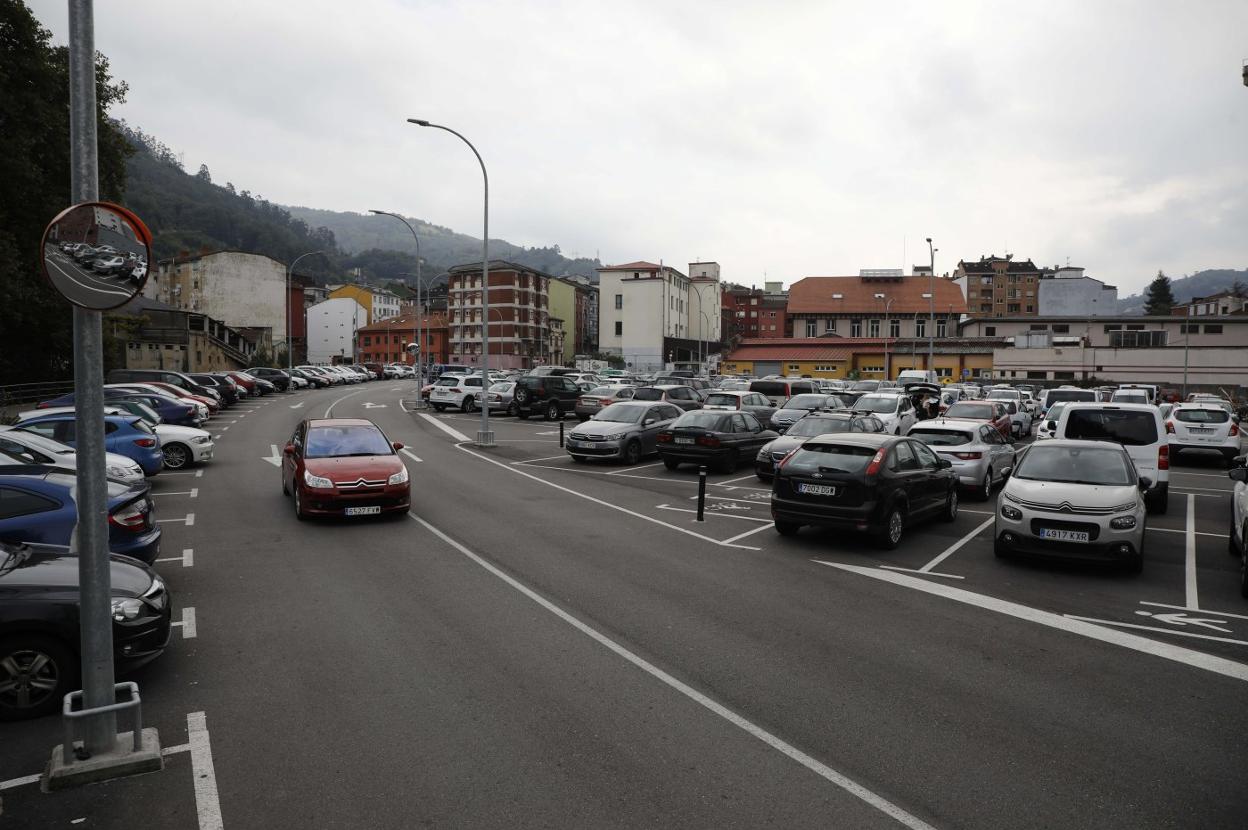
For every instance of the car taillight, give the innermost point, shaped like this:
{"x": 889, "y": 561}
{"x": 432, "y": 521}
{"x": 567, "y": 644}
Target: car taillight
{"x": 131, "y": 517}
{"x": 708, "y": 440}
{"x": 145, "y": 442}
{"x": 585, "y": 401}
{"x": 663, "y": 438}
{"x": 44, "y": 405}
{"x": 876, "y": 461}
{"x": 1170, "y": 427}
{"x": 1163, "y": 457}
{"x": 968, "y": 456}
{"x": 604, "y": 401}
{"x": 1234, "y": 430}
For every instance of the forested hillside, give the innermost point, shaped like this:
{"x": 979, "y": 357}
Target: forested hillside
{"x": 1200, "y": 284}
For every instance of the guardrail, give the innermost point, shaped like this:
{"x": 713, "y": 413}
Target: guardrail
{"x": 15, "y": 396}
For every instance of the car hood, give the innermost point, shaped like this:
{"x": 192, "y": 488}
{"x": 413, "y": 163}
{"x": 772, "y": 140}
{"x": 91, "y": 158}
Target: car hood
{"x": 371, "y": 467}
{"x": 785, "y": 444}
{"x": 53, "y": 568}
{"x": 790, "y": 414}
{"x": 598, "y": 429}
{"x": 1078, "y": 495}
{"x": 169, "y": 432}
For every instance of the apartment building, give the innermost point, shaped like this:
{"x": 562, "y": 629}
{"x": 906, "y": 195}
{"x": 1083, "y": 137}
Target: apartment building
{"x": 646, "y": 311}
{"x": 332, "y": 325}
{"x": 240, "y": 289}
{"x": 386, "y": 341}
{"x": 379, "y": 302}
{"x": 519, "y": 315}
{"x": 756, "y": 312}
{"x": 876, "y": 303}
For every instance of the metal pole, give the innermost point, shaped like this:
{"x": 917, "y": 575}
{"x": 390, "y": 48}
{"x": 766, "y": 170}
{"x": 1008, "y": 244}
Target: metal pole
{"x": 290, "y": 348}
{"x": 931, "y": 306}
{"x": 419, "y": 346}
{"x": 701, "y": 493}
{"x": 1187, "y": 338}
{"x": 485, "y": 438}
{"x": 91, "y": 534}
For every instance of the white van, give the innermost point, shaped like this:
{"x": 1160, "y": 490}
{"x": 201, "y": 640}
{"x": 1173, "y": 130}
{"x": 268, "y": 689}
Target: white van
{"x": 1065, "y": 394}
{"x": 918, "y": 376}
{"x": 1140, "y": 431}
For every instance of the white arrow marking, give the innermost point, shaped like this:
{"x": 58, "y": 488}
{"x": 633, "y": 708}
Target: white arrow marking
{"x": 368, "y": 405}
{"x": 297, "y": 405}
{"x": 1184, "y": 620}
{"x": 274, "y": 459}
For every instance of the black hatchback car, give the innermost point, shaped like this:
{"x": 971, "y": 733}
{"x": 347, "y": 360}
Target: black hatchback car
{"x": 719, "y": 439}
{"x": 869, "y": 482}
{"x": 39, "y": 639}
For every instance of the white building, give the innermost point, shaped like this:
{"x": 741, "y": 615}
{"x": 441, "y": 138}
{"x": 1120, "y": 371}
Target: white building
{"x": 332, "y": 325}
{"x": 242, "y": 290}
{"x": 385, "y": 304}
{"x": 1069, "y": 293}
{"x": 646, "y": 314}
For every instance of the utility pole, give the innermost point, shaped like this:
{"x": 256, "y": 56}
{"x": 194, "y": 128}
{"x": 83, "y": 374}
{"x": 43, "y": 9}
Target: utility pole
{"x": 931, "y": 305}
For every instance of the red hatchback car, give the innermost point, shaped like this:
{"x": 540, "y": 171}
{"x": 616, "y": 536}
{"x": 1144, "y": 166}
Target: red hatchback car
{"x": 994, "y": 413}
{"x": 344, "y": 467}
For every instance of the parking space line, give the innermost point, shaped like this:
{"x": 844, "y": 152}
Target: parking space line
{"x": 207, "y": 803}
{"x": 451, "y": 431}
{"x": 193, "y": 493}
{"x": 1190, "y": 554}
{"x": 1227, "y": 490}
{"x": 1181, "y": 530}
{"x": 187, "y": 623}
{"x": 925, "y": 573}
{"x": 819, "y": 768}
{"x": 740, "y": 536}
{"x": 607, "y": 504}
{"x": 411, "y": 455}
{"x": 1160, "y": 630}
{"x": 731, "y": 480}
{"x": 547, "y": 458}
{"x": 1201, "y": 610}
{"x": 956, "y": 546}
{"x": 712, "y": 513}
{"x": 20, "y": 782}
{"x": 1198, "y": 495}
{"x": 187, "y": 558}
{"x": 189, "y": 519}
{"x": 1157, "y": 648}
{"x": 196, "y": 473}
{"x": 637, "y": 467}
{"x": 1175, "y": 472}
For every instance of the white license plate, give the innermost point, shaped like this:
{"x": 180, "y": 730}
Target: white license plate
{"x": 684, "y": 440}
{"x": 1201, "y": 430}
{"x": 1063, "y": 535}
{"x": 584, "y": 445}
{"x": 362, "y": 511}
{"x": 817, "y": 489}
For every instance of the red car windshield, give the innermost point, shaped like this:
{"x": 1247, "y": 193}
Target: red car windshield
{"x": 335, "y": 442}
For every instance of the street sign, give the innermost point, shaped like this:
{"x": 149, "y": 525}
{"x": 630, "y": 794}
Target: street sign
{"x": 96, "y": 255}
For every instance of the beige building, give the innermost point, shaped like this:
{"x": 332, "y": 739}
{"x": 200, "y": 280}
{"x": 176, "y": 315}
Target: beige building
{"x": 160, "y": 337}
{"x": 242, "y": 290}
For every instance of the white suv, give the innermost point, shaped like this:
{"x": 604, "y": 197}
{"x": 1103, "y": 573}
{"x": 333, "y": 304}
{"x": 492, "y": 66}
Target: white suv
{"x": 1237, "y": 544}
{"x": 894, "y": 409}
{"x": 1140, "y": 431}
{"x": 1203, "y": 426}
{"x": 460, "y": 391}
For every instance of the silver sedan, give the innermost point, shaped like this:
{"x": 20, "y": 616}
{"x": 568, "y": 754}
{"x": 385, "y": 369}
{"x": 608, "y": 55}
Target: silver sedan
{"x": 980, "y": 455}
{"x": 626, "y": 431}
{"x": 501, "y": 397}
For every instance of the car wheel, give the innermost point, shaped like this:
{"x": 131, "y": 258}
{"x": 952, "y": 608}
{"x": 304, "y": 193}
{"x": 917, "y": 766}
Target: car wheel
{"x": 285, "y": 489}
{"x": 35, "y": 674}
{"x": 787, "y": 528}
{"x": 299, "y": 514}
{"x": 579, "y": 459}
{"x": 1232, "y": 544}
{"x": 632, "y": 452}
{"x": 512, "y": 409}
{"x": 523, "y": 416}
{"x": 999, "y": 550}
{"x": 177, "y": 456}
{"x": 950, "y": 513}
{"x": 440, "y": 407}
{"x": 671, "y": 463}
{"x": 1157, "y": 500}
{"x": 888, "y": 536}
{"x": 1243, "y": 563}
{"x": 552, "y": 412}
{"x": 986, "y": 486}
{"x": 467, "y": 405}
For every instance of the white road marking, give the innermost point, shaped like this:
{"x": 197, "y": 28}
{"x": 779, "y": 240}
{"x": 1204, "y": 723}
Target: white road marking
{"x": 587, "y": 497}
{"x": 1189, "y": 568}
{"x": 1159, "y": 630}
{"x": 411, "y": 455}
{"x": 621, "y": 474}
{"x": 1200, "y": 610}
{"x": 962, "y": 509}
{"x": 819, "y": 768}
{"x": 187, "y": 623}
{"x": 1072, "y": 625}
{"x": 627, "y": 469}
{"x": 713, "y": 513}
{"x": 189, "y": 519}
{"x": 330, "y": 409}
{"x": 956, "y": 546}
{"x": 547, "y": 458}
{"x": 1198, "y": 495}
{"x": 741, "y": 536}
{"x": 925, "y": 573}
{"x": 193, "y": 492}
{"x": 297, "y": 405}
{"x": 1180, "y": 530}
{"x": 207, "y": 804}
{"x": 1175, "y": 472}
{"x": 20, "y": 782}
{"x": 451, "y": 431}
{"x": 274, "y": 456}
{"x": 742, "y": 478}
{"x": 1227, "y": 490}
{"x": 187, "y": 558}
{"x": 1183, "y": 620}
{"x": 175, "y": 749}
{"x": 371, "y": 405}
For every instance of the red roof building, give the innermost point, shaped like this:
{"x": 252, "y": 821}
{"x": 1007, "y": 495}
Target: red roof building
{"x": 875, "y": 306}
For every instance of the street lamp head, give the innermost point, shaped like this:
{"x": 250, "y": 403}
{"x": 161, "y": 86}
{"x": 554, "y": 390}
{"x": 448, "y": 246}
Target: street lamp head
{"x": 379, "y": 212}
{"x": 419, "y": 121}
{"x": 929, "y": 240}
{"x": 879, "y": 296}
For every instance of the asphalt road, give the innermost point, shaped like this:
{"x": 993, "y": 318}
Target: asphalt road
{"x": 539, "y": 644}
{"x": 82, "y": 285}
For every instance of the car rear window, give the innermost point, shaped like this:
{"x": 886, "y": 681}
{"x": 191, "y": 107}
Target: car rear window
{"x": 1127, "y": 427}
{"x": 970, "y": 410}
{"x": 703, "y": 420}
{"x": 806, "y": 402}
{"x": 1068, "y": 395}
{"x": 809, "y": 427}
{"x": 770, "y": 388}
{"x": 722, "y": 400}
{"x": 830, "y": 458}
{"x": 942, "y": 437}
{"x": 648, "y": 393}
{"x": 1202, "y": 416}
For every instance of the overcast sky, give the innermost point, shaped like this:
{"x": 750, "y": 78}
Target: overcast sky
{"x": 786, "y": 138}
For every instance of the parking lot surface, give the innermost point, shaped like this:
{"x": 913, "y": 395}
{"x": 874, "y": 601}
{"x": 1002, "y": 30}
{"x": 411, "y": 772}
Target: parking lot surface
{"x": 549, "y": 643}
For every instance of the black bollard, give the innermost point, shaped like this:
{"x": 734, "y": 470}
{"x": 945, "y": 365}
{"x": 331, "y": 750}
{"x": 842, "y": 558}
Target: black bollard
{"x": 561, "y": 434}
{"x": 701, "y": 493}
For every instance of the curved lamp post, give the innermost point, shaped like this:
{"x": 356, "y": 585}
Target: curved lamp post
{"x": 888, "y": 303}
{"x": 419, "y": 357}
{"x": 290, "y": 351}
{"x": 485, "y": 438}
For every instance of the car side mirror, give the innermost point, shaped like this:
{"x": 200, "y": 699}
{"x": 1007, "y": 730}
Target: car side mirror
{"x": 289, "y": 449}
{"x": 648, "y": 422}
{"x": 945, "y": 463}
{"x": 1239, "y": 474}
{"x": 1144, "y": 483}
{"x": 1006, "y": 473}
{"x": 1051, "y": 425}
{"x": 398, "y": 445}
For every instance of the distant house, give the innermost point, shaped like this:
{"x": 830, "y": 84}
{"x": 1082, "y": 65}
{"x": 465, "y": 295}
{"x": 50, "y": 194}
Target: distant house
{"x": 332, "y": 325}
{"x": 1222, "y": 304}
{"x": 160, "y": 336}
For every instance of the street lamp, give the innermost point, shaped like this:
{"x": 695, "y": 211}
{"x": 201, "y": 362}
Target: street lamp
{"x": 290, "y": 352}
{"x": 931, "y": 304}
{"x": 887, "y": 305}
{"x": 420, "y": 368}
{"x": 484, "y": 437}
{"x": 697, "y": 290}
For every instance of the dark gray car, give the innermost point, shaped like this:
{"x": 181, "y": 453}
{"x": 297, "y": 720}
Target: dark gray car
{"x": 798, "y": 406}
{"x": 755, "y": 403}
{"x": 811, "y": 426}
{"x": 624, "y": 430}
{"x": 683, "y": 396}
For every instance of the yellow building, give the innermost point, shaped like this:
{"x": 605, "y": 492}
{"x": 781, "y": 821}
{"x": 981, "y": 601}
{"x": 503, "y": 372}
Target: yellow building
{"x": 563, "y": 307}
{"x": 863, "y": 359}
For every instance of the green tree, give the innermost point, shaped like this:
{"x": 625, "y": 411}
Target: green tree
{"x": 35, "y": 322}
{"x": 1160, "y": 298}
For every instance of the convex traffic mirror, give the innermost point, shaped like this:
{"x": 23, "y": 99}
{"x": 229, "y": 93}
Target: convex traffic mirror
{"x": 96, "y": 255}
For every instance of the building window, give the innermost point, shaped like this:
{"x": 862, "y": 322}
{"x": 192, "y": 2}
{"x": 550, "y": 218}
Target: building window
{"x": 1213, "y": 329}
{"x": 1061, "y": 328}
{"x": 1116, "y": 327}
{"x": 1037, "y": 375}
{"x": 619, "y": 328}
{"x": 990, "y": 331}
{"x": 619, "y": 300}
{"x": 1012, "y": 308}
{"x": 829, "y": 326}
{"x": 920, "y": 327}
{"x": 944, "y": 373}
{"x": 771, "y": 314}
{"x": 794, "y": 367}
{"x": 1063, "y": 376}
{"x": 855, "y": 328}
{"x": 1137, "y": 339}
{"x": 811, "y": 327}
{"x": 894, "y": 328}
{"x": 1039, "y": 327}
{"x": 1031, "y": 309}
{"x": 941, "y": 328}
{"x": 873, "y": 328}
{"x": 1184, "y": 328}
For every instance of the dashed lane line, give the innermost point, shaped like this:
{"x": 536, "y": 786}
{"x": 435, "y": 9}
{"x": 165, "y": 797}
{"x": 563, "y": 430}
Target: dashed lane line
{"x": 818, "y": 767}
{"x": 330, "y": 409}
{"x": 411, "y": 455}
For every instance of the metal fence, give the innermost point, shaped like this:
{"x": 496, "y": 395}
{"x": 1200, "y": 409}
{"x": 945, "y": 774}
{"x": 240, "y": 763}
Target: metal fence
{"x": 18, "y": 396}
